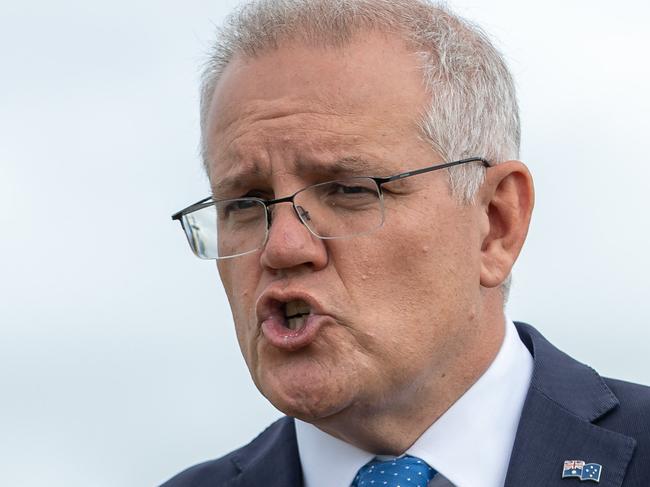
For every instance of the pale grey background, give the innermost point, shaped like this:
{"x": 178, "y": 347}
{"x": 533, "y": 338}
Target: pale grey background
{"x": 118, "y": 363}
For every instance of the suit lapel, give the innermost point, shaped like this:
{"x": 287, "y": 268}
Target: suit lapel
{"x": 564, "y": 399}
{"x": 272, "y": 460}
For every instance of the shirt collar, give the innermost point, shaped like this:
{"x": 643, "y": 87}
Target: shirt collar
{"x": 470, "y": 444}
{"x": 326, "y": 460}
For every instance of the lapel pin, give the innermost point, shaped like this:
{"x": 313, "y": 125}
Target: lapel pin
{"x": 582, "y": 470}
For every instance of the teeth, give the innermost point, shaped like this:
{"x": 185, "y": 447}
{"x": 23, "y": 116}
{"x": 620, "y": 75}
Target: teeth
{"x": 297, "y": 307}
{"x": 296, "y": 323}
{"x": 296, "y": 313}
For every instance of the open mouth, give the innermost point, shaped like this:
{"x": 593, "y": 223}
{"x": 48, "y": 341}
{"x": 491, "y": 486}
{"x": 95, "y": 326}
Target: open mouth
{"x": 289, "y": 321}
{"x": 295, "y": 314}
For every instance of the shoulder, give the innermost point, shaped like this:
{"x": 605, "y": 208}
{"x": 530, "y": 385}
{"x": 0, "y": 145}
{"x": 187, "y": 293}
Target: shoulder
{"x": 212, "y": 472}
{"x": 226, "y": 468}
{"x": 596, "y": 418}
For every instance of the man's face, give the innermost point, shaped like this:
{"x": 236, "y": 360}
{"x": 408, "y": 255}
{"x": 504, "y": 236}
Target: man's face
{"x": 392, "y": 313}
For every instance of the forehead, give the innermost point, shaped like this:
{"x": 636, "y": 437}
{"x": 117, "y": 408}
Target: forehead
{"x": 304, "y": 103}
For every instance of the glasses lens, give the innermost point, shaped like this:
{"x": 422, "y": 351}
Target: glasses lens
{"x": 344, "y": 208}
{"x": 226, "y": 228}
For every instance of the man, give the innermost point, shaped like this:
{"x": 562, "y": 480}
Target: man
{"x": 367, "y": 208}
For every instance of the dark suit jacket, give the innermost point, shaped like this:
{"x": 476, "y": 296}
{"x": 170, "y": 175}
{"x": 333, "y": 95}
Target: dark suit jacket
{"x": 570, "y": 413}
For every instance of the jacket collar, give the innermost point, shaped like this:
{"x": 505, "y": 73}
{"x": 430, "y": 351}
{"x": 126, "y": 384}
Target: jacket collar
{"x": 564, "y": 399}
{"x": 271, "y": 460}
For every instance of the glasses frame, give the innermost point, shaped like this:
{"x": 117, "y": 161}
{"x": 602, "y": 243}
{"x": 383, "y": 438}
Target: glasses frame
{"x": 379, "y": 181}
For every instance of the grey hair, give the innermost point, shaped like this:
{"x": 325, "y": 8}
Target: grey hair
{"x": 473, "y": 110}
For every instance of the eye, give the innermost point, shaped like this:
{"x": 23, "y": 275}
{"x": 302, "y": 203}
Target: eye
{"x": 238, "y": 208}
{"x": 351, "y": 189}
{"x": 347, "y": 194}
{"x": 242, "y": 204}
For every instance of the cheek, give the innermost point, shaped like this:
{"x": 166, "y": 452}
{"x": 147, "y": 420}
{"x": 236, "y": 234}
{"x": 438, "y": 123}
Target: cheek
{"x": 411, "y": 270}
{"x": 239, "y": 278}
{"x": 239, "y": 282}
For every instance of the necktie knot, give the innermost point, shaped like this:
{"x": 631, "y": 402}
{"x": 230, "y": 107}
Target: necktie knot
{"x": 406, "y": 471}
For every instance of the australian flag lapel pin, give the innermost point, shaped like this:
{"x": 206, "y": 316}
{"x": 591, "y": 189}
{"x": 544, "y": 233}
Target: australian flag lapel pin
{"x": 582, "y": 470}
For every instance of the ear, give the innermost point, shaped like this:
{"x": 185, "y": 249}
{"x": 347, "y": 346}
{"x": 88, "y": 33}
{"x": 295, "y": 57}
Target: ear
{"x": 507, "y": 198}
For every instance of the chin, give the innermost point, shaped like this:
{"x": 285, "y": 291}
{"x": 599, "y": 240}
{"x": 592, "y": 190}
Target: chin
{"x": 304, "y": 398}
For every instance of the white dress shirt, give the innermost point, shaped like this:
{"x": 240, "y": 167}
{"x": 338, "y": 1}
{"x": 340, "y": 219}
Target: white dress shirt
{"x": 470, "y": 444}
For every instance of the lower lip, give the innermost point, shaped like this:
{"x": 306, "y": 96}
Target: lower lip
{"x": 290, "y": 340}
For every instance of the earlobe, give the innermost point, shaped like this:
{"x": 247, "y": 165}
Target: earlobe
{"x": 507, "y": 197}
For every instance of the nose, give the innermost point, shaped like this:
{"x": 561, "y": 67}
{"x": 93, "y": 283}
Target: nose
{"x": 290, "y": 244}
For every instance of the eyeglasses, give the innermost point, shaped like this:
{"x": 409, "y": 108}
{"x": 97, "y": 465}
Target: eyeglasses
{"x": 349, "y": 207}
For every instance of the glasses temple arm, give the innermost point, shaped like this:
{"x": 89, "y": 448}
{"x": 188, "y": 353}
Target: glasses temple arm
{"x": 430, "y": 169}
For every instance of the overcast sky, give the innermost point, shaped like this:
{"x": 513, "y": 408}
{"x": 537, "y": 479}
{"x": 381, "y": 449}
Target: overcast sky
{"x": 118, "y": 362}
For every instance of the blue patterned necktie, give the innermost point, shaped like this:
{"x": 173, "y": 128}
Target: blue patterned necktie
{"x": 406, "y": 471}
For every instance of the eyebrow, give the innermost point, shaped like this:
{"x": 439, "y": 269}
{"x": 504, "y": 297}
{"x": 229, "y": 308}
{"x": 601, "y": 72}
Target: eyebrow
{"x": 236, "y": 179}
{"x": 343, "y": 166}
{"x": 348, "y": 165}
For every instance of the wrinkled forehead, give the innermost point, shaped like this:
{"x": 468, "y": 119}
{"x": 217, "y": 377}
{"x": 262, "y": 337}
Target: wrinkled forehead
{"x": 308, "y": 146}
{"x": 312, "y": 106}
